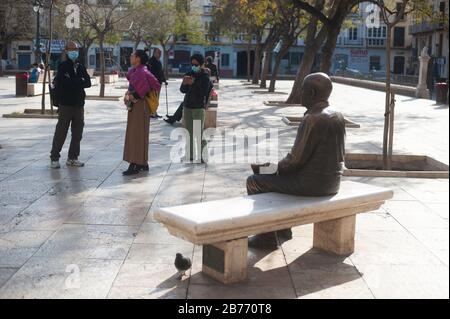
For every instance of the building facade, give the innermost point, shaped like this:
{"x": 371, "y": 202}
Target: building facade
{"x": 360, "y": 48}
{"x": 433, "y": 34}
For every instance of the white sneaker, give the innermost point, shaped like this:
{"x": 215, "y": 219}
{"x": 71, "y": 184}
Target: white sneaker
{"x": 74, "y": 163}
{"x": 54, "y": 164}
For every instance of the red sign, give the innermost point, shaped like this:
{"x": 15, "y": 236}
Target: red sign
{"x": 359, "y": 52}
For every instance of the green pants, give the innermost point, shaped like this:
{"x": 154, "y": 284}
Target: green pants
{"x": 194, "y": 123}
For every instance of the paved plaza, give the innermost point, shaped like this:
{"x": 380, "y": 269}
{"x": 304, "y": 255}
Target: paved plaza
{"x": 89, "y": 232}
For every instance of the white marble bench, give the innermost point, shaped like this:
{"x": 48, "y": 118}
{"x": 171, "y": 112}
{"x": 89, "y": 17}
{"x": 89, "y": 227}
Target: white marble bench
{"x": 211, "y": 117}
{"x": 34, "y": 89}
{"x": 222, "y": 226}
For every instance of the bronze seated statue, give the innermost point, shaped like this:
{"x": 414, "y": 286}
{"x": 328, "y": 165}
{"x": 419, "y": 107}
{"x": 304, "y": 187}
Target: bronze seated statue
{"x": 315, "y": 164}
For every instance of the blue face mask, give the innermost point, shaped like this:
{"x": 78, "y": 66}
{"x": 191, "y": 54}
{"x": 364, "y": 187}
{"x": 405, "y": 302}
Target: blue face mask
{"x": 73, "y": 55}
{"x": 195, "y": 69}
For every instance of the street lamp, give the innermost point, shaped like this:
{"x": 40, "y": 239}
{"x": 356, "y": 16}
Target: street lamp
{"x": 38, "y": 7}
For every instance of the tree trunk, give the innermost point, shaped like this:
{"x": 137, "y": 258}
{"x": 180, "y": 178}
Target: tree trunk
{"x": 46, "y": 66}
{"x": 328, "y": 49}
{"x": 265, "y": 72}
{"x": 249, "y": 67}
{"x": 86, "y": 55}
{"x": 391, "y": 130}
{"x": 102, "y": 68}
{"x": 276, "y": 67}
{"x": 1, "y": 55}
{"x": 387, "y": 97}
{"x": 313, "y": 43}
{"x": 136, "y": 44}
{"x": 257, "y": 64}
{"x": 333, "y": 32}
{"x": 165, "y": 61}
{"x": 305, "y": 68}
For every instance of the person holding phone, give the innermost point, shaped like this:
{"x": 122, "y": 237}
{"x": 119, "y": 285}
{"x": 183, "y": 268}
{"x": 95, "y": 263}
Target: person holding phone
{"x": 195, "y": 86}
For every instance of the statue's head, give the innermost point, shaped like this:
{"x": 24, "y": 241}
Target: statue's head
{"x": 316, "y": 88}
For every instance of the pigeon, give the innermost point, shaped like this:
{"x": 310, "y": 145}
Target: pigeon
{"x": 182, "y": 264}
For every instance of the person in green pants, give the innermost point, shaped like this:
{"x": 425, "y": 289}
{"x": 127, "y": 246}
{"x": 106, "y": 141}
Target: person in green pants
{"x": 196, "y": 86}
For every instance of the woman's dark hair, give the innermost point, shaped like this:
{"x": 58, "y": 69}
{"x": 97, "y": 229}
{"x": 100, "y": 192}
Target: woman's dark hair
{"x": 209, "y": 59}
{"x": 200, "y": 59}
{"x": 141, "y": 55}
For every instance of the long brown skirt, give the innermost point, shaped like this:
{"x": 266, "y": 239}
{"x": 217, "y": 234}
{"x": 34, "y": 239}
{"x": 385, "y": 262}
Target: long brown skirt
{"x": 136, "y": 138}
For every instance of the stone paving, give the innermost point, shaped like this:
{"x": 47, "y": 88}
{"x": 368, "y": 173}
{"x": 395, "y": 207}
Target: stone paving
{"x": 89, "y": 232}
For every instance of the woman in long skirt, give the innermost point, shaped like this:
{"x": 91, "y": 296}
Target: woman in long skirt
{"x": 141, "y": 81}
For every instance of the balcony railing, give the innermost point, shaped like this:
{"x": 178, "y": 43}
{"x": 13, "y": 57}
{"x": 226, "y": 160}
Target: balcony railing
{"x": 376, "y": 42}
{"x": 353, "y": 42}
{"x": 425, "y": 27}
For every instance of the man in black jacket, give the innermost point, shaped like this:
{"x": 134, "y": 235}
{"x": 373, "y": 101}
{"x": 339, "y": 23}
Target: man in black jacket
{"x": 195, "y": 85}
{"x": 213, "y": 68}
{"x": 70, "y": 81}
{"x": 155, "y": 67}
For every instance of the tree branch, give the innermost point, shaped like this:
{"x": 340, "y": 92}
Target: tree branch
{"x": 313, "y": 11}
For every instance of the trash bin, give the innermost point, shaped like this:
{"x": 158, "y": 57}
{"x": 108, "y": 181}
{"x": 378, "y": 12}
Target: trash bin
{"x": 441, "y": 92}
{"x": 21, "y": 84}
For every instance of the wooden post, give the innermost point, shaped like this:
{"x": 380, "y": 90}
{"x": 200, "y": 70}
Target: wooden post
{"x": 391, "y": 131}
{"x": 387, "y": 99}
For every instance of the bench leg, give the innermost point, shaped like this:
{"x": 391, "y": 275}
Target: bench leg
{"x": 226, "y": 261}
{"x": 336, "y": 236}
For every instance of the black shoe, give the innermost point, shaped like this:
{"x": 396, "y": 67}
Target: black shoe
{"x": 132, "y": 170}
{"x": 144, "y": 168}
{"x": 169, "y": 120}
{"x": 155, "y": 116}
{"x": 263, "y": 241}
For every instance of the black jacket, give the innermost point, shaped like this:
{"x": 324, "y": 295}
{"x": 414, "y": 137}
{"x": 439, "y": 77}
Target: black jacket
{"x": 155, "y": 67}
{"x": 213, "y": 68}
{"x": 197, "y": 93}
{"x": 70, "y": 81}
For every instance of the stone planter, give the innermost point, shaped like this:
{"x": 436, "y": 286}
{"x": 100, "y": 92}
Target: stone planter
{"x": 296, "y": 120}
{"x": 105, "y": 98}
{"x": 33, "y": 114}
{"x": 280, "y": 104}
{"x": 414, "y": 166}
{"x": 267, "y": 92}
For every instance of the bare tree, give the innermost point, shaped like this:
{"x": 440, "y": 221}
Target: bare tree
{"x": 269, "y": 45}
{"x": 13, "y": 13}
{"x": 174, "y": 24}
{"x": 47, "y": 57}
{"x": 328, "y": 16}
{"x": 104, "y": 18}
{"x": 292, "y": 24}
{"x": 144, "y": 21}
{"x": 392, "y": 12}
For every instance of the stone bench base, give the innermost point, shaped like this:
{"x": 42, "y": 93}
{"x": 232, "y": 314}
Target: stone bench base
{"x": 227, "y": 261}
{"x": 111, "y": 78}
{"x": 211, "y": 118}
{"x": 34, "y": 89}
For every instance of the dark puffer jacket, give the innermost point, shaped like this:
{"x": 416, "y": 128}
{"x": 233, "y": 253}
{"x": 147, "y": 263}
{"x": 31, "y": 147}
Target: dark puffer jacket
{"x": 197, "y": 93}
{"x": 70, "y": 81}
